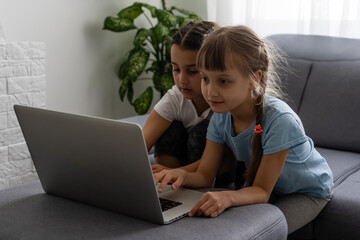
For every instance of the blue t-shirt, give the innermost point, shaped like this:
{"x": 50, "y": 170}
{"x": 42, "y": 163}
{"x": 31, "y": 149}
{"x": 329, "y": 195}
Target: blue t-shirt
{"x": 304, "y": 171}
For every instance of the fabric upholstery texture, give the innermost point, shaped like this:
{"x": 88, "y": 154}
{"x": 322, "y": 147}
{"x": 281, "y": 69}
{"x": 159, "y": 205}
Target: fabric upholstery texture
{"x": 342, "y": 163}
{"x": 328, "y": 109}
{"x": 325, "y": 94}
{"x": 293, "y": 82}
{"x": 340, "y": 219}
{"x": 26, "y": 212}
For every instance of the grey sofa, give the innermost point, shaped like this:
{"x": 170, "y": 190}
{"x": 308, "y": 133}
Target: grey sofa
{"x": 323, "y": 89}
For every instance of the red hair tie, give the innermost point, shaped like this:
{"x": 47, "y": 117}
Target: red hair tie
{"x": 258, "y": 129}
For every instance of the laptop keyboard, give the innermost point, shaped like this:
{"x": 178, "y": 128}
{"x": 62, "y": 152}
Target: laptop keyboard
{"x": 167, "y": 204}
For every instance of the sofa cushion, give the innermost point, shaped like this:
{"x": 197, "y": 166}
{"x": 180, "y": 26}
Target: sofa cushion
{"x": 328, "y": 104}
{"x": 340, "y": 219}
{"x": 329, "y": 108}
{"x": 317, "y": 48}
{"x": 293, "y": 81}
{"x": 140, "y": 119}
{"x": 342, "y": 163}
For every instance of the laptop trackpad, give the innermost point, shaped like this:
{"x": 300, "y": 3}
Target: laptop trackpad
{"x": 187, "y": 197}
{"x": 166, "y": 189}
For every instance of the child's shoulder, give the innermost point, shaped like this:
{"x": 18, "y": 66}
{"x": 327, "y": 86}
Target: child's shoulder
{"x": 276, "y": 106}
{"x": 174, "y": 91}
{"x": 276, "y": 109}
{"x": 173, "y": 97}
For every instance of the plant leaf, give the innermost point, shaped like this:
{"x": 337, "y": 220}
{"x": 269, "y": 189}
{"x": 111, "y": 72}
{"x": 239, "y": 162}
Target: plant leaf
{"x": 137, "y": 61}
{"x": 123, "y": 88}
{"x": 160, "y": 31}
{"x": 168, "y": 23}
{"x": 154, "y": 67}
{"x": 130, "y": 93}
{"x": 143, "y": 102}
{"x": 141, "y": 36}
{"x": 168, "y": 52}
{"x": 122, "y": 70}
{"x": 166, "y": 18}
{"x": 157, "y": 81}
{"x": 118, "y": 24}
{"x": 183, "y": 11}
{"x": 168, "y": 68}
{"x": 166, "y": 82}
{"x": 194, "y": 17}
{"x": 131, "y": 12}
{"x": 189, "y": 19}
{"x": 180, "y": 20}
{"x": 152, "y": 9}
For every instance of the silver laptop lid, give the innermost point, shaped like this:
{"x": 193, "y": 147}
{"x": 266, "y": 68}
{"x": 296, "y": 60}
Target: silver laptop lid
{"x": 87, "y": 159}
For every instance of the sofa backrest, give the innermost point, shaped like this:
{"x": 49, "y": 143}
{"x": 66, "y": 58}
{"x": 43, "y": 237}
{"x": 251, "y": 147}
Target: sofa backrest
{"x": 323, "y": 87}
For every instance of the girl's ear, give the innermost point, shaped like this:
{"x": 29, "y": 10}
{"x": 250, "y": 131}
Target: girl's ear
{"x": 257, "y": 79}
{"x": 258, "y": 75}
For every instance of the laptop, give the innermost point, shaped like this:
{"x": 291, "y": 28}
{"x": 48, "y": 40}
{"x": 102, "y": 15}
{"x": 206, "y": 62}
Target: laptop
{"x": 100, "y": 162}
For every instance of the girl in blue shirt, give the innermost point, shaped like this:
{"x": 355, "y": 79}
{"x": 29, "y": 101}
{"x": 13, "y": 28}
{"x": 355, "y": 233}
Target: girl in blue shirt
{"x": 239, "y": 85}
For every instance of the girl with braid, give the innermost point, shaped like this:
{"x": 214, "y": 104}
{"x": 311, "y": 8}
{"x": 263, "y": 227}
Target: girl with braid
{"x": 177, "y": 125}
{"x": 283, "y": 167}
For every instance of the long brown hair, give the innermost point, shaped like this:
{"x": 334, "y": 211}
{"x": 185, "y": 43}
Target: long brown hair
{"x": 249, "y": 53}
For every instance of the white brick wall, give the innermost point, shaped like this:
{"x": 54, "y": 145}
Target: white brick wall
{"x": 22, "y": 81}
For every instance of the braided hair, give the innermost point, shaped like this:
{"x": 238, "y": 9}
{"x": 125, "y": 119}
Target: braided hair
{"x": 250, "y": 54}
{"x": 191, "y": 36}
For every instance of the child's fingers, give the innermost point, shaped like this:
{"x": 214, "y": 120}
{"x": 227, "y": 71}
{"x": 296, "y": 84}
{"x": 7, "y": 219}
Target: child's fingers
{"x": 158, "y": 177}
{"x": 194, "y": 210}
{"x": 211, "y": 211}
{"x": 205, "y": 208}
{"x": 165, "y": 180}
{"x": 156, "y": 169}
{"x": 216, "y": 213}
{"x": 177, "y": 183}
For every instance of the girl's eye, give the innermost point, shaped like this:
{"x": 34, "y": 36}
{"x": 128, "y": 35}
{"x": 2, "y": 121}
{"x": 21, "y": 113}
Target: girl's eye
{"x": 224, "y": 82}
{"x": 204, "y": 79}
{"x": 193, "y": 72}
{"x": 176, "y": 70}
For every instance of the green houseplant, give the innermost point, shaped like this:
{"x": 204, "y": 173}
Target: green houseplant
{"x": 151, "y": 49}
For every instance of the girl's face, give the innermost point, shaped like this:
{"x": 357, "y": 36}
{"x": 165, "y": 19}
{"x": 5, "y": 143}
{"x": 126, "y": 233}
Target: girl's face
{"x": 186, "y": 74}
{"x": 227, "y": 91}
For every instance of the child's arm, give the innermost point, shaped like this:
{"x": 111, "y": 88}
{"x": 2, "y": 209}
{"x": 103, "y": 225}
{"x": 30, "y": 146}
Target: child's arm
{"x": 154, "y": 127}
{"x": 214, "y": 203}
{"x": 203, "y": 177}
{"x": 191, "y": 167}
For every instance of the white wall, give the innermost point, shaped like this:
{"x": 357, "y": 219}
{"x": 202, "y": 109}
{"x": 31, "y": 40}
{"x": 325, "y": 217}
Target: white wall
{"x": 22, "y": 81}
{"x": 81, "y": 58}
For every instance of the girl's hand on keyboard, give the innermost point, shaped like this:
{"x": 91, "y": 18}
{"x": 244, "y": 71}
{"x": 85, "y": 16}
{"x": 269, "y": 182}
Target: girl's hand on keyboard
{"x": 174, "y": 176}
{"x": 158, "y": 168}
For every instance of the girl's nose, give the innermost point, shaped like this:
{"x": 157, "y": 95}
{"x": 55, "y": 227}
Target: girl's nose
{"x": 211, "y": 90}
{"x": 182, "y": 78}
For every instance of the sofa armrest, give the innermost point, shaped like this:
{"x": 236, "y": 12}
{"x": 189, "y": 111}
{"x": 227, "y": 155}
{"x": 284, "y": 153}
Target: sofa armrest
{"x": 26, "y": 211}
